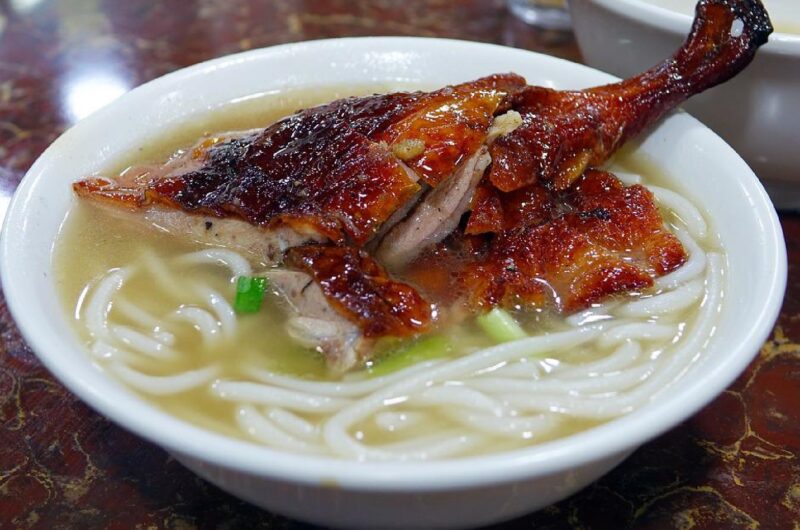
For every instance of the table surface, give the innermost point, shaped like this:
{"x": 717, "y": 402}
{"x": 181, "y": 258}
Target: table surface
{"x": 733, "y": 465}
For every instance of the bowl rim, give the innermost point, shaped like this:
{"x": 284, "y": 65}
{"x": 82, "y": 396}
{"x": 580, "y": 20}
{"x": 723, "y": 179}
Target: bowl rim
{"x": 675, "y": 22}
{"x": 538, "y": 461}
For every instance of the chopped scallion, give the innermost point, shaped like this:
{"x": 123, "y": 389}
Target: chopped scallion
{"x": 410, "y": 353}
{"x": 249, "y": 294}
{"x": 501, "y": 326}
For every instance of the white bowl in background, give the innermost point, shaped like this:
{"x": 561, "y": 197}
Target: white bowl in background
{"x": 443, "y": 494}
{"x": 756, "y": 112}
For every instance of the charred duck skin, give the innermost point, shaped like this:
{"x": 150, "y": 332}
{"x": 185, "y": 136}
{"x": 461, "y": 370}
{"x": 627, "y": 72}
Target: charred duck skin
{"x": 336, "y": 172}
{"x": 610, "y": 239}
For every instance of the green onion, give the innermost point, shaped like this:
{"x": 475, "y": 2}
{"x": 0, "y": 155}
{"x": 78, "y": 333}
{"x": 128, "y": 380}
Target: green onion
{"x": 501, "y": 326}
{"x": 249, "y": 294}
{"x": 410, "y": 353}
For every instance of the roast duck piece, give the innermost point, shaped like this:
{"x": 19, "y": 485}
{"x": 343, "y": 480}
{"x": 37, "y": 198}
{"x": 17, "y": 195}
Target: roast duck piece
{"x": 392, "y": 213}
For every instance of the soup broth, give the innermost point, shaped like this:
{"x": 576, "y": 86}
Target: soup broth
{"x": 155, "y": 312}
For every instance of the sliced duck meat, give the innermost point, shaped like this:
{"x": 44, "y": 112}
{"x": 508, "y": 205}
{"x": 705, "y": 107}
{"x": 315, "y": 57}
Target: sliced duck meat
{"x": 435, "y": 216}
{"x": 441, "y": 208}
{"x": 262, "y": 245}
{"x": 314, "y": 323}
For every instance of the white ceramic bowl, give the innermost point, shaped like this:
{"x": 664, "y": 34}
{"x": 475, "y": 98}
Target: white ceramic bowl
{"x": 340, "y": 493}
{"x": 756, "y": 112}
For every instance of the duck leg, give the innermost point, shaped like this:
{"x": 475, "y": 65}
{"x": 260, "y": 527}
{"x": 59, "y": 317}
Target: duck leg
{"x": 564, "y": 132}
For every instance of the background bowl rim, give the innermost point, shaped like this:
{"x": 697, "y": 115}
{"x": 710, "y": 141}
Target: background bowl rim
{"x": 540, "y": 460}
{"x": 675, "y": 22}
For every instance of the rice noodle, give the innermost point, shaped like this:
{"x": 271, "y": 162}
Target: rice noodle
{"x": 294, "y": 424}
{"x": 336, "y": 428}
{"x": 253, "y": 423}
{"x": 433, "y": 446}
{"x": 393, "y": 421}
{"x": 597, "y": 313}
{"x": 143, "y": 344}
{"x": 523, "y": 369}
{"x": 514, "y": 427}
{"x": 163, "y": 385}
{"x": 668, "y": 371}
{"x": 685, "y": 210}
{"x": 99, "y": 305}
{"x": 237, "y": 264}
{"x": 640, "y": 331}
{"x": 607, "y": 382}
{"x": 459, "y": 396}
{"x": 160, "y": 273}
{"x": 621, "y": 358}
{"x": 664, "y": 303}
{"x": 164, "y": 337}
{"x": 203, "y": 321}
{"x": 243, "y": 391}
{"x": 136, "y": 314}
{"x": 690, "y": 270}
{"x": 343, "y": 389}
{"x": 221, "y": 307}
{"x": 102, "y": 350}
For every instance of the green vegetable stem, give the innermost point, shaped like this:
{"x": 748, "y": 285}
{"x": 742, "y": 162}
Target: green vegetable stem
{"x": 500, "y": 326}
{"x": 249, "y": 294}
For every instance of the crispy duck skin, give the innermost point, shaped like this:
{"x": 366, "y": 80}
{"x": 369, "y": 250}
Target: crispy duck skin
{"x": 564, "y": 132}
{"x": 339, "y": 186}
{"x": 451, "y": 123}
{"x": 610, "y": 240}
{"x": 359, "y": 288}
{"x": 336, "y": 170}
{"x": 567, "y": 250}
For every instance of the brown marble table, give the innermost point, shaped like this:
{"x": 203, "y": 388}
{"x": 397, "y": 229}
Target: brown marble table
{"x": 734, "y": 465}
